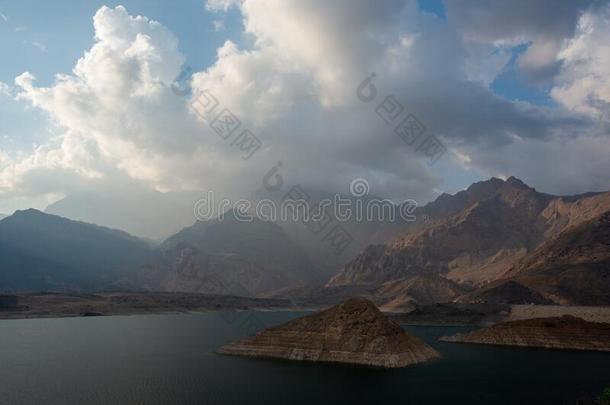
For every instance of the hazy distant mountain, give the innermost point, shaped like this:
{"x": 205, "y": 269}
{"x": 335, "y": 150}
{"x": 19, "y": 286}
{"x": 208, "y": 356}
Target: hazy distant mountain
{"x": 144, "y": 213}
{"x": 155, "y": 215}
{"x": 2, "y": 216}
{"x": 361, "y": 233}
{"x": 229, "y": 256}
{"x": 47, "y": 252}
{"x": 478, "y": 235}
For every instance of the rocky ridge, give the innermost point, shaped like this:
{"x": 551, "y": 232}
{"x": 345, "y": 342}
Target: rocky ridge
{"x": 499, "y": 242}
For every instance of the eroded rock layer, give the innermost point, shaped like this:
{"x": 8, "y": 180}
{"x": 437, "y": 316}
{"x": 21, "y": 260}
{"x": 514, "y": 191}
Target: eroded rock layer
{"x": 354, "y": 331}
{"x": 566, "y": 332}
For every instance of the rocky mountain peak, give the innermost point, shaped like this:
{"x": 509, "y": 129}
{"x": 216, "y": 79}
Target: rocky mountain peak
{"x": 28, "y": 213}
{"x": 511, "y": 190}
{"x": 480, "y": 234}
{"x": 513, "y": 181}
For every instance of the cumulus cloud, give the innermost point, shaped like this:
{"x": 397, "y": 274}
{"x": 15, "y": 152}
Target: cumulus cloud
{"x": 115, "y": 99}
{"x": 308, "y": 57}
{"x": 295, "y": 86}
{"x": 324, "y": 47}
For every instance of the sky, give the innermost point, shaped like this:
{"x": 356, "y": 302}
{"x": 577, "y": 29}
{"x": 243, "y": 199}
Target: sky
{"x": 509, "y": 89}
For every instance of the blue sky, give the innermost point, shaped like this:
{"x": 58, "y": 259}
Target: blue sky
{"x": 65, "y": 35}
{"x": 435, "y": 7}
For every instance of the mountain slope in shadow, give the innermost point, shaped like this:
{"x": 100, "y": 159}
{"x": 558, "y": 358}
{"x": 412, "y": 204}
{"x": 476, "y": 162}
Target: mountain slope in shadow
{"x": 47, "y": 252}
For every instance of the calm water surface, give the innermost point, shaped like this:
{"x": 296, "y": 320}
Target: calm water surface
{"x": 169, "y": 359}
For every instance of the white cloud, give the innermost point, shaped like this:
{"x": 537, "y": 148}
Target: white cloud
{"x": 120, "y": 119}
{"x": 221, "y": 5}
{"x": 3, "y": 17}
{"x": 62, "y": 157}
{"x": 218, "y": 25}
{"x": 563, "y": 166}
{"x": 584, "y": 81}
{"x": 5, "y": 89}
{"x": 309, "y": 57}
{"x": 114, "y": 100}
{"x": 40, "y": 46}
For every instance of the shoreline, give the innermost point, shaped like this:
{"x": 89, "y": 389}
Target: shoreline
{"x": 49, "y": 305}
{"x": 61, "y": 305}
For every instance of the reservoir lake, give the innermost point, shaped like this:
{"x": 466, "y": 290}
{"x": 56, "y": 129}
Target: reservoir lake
{"x": 170, "y": 359}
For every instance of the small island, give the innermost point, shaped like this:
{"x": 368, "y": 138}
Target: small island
{"x": 565, "y": 332}
{"x": 354, "y": 331}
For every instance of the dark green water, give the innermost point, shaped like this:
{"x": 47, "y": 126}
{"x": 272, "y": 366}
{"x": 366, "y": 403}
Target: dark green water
{"x": 168, "y": 359}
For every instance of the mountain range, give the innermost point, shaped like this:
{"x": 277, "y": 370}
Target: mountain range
{"x": 228, "y": 256}
{"x": 496, "y": 241}
{"x": 500, "y": 238}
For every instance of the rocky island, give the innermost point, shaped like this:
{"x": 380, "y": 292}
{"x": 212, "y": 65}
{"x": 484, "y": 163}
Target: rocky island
{"x": 565, "y": 332}
{"x": 354, "y": 331}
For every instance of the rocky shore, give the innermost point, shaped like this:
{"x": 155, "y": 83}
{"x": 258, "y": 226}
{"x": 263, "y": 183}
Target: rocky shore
{"x": 566, "y": 332}
{"x": 354, "y": 331}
